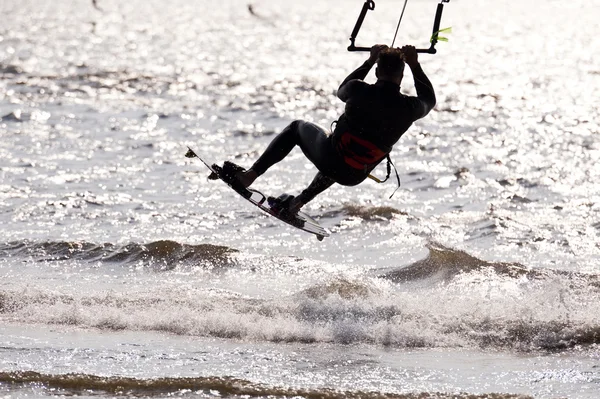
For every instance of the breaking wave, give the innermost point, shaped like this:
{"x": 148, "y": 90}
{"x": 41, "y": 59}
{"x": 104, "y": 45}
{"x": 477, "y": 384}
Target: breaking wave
{"x": 449, "y": 300}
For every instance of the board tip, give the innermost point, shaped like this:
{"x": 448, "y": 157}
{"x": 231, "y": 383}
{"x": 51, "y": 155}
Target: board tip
{"x": 190, "y": 153}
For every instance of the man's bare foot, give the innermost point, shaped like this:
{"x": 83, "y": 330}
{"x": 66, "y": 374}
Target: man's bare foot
{"x": 246, "y": 178}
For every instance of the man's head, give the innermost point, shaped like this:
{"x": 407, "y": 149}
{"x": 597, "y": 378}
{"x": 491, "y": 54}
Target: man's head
{"x": 390, "y": 65}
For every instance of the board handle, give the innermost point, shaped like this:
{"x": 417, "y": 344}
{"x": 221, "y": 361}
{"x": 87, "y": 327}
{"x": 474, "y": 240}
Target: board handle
{"x": 257, "y": 196}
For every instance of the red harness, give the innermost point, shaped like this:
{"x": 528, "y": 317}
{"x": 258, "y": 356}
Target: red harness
{"x": 359, "y": 153}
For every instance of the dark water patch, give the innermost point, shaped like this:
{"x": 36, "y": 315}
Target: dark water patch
{"x": 526, "y": 183}
{"x": 524, "y": 335}
{"x": 259, "y": 132}
{"x": 8, "y": 69}
{"x": 163, "y": 254}
{"x": 506, "y": 182}
{"x": 16, "y": 116}
{"x": 483, "y": 229}
{"x": 87, "y": 81}
{"x": 119, "y": 80}
{"x": 372, "y": 212}
{"x": 86, "y": 384}
{"x": 520, "y": 200}
{"x": 451, "y": 109}
{"x": 367, "y": 213}
{"x": 143, "y": 146}
{"x": 462, "y": 173}
{"x": 344, "y": 288}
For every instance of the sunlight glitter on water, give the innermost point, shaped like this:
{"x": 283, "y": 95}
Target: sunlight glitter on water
{"x": 489, "y": 247}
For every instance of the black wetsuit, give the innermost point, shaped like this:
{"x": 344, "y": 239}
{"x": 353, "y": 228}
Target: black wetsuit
{"x": 375, "y": 117}
{"x": 379, "y": 113}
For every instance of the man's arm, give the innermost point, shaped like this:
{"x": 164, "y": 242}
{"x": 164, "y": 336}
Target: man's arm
{"x": 425, "y": 94}
{"x": 360, "y": 73}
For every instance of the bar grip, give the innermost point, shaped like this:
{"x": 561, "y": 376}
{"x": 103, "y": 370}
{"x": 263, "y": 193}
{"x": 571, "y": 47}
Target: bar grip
{"x": 430, "y": 50}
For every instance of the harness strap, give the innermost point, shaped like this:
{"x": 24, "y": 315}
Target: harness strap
{"x": 389, "y": 171}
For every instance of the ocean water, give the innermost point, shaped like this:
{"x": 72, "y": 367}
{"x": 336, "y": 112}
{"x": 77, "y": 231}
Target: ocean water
{"x": 124, "y": 272}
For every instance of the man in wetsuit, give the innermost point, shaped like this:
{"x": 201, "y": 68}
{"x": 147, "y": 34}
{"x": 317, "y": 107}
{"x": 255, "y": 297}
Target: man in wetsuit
{"x": 375, "y": 117}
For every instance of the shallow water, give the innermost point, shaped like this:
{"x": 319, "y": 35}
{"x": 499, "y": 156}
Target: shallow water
{"x": 121, "y": 263}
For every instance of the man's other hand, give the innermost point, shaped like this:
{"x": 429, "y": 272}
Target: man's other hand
{"x": 410, "y": 55}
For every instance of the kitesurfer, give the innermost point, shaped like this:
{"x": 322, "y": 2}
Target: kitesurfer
{"x": 375, "y": 117}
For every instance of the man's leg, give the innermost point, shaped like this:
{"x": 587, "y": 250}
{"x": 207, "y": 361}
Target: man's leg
{"x": 309, "y": 137}
{"x": 278, "y": 149}
{"x": 319, "y": 184}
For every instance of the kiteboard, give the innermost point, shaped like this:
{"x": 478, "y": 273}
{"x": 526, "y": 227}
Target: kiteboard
{"x": 267, "y": 204}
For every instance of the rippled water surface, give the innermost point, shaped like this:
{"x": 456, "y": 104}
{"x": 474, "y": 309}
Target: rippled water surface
{"x": 124, "y": 271}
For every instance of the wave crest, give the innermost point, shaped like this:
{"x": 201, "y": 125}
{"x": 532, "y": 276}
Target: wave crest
{"x": 163, "y": 253}
{"x": 444, "y": 263}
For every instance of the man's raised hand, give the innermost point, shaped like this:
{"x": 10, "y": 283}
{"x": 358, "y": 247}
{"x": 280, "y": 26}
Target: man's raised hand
{"x": 375, "y": 50}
